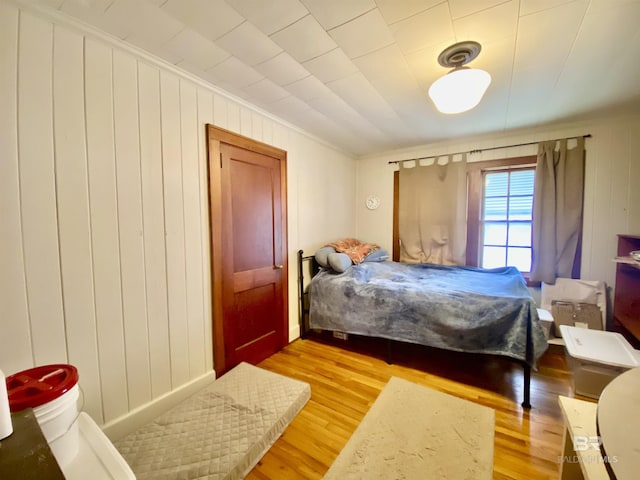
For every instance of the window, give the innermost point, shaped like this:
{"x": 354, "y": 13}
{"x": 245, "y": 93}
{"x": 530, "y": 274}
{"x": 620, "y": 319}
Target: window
{"x": 506, "y": 218}
{"x": 500, "y": 212}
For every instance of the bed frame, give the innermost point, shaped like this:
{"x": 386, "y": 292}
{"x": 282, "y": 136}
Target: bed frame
{"x": 303, "y": 318}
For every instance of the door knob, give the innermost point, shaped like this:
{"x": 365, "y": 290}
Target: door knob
{"x": 278, "y": 267}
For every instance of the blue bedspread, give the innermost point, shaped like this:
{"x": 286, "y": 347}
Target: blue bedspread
{"x": 456, "y": 308}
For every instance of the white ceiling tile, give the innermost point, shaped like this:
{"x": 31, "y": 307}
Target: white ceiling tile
{"x": 497, "y": 58}
{"x": 282, "y": 69}
{"x": 270, "y": 16}
{"x": 394, "y": 11}
{"x": 603, "y": 30}
{"x": 528, "y": 96}
{"x": 165, "y": 55}
{"x": 55, "y": 4}
{"x": 212, "y": 18}
{"x": 195, "y": 48}
{"x": 308, "y": 88}
{"x": 425, "y": 29}
{"x": 233, "y": 71}
{"x": 388, "y": 72}
{"x": 125, "y": 14}
{"x": 331, "y": 66}
{"x": 362, "y": 35}
{"x": 333, "y": 106}
{"x": 289, "y": 107}
{"x": 249, "y": 44}
{"x": 94, "y": 14}
{"x": 462, "y": 8}
{"x": 490, "y": 24}
{"x": 305, "y": 39}
{"x": 424, "y": 64}
{"x": 386, "y": 66}
{"x": 528, "y": 7}
{"x": 360, "y": 94}
{"x": 331, "y": 13}
{"x": 191, "y": 68}
{"x": 265, "y": 91}
{"x": 152, "y": 27}
{"x": 562, "y": 24}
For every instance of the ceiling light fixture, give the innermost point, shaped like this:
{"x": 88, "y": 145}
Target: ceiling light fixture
{"x": 462, "y": 88}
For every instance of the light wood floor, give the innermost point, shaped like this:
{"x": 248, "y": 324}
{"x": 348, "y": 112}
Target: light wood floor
{"x": 346, "y": 378}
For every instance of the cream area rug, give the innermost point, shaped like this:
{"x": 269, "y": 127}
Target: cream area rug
{"x": 220, "y": 432}
{"x": 413, "y": 432}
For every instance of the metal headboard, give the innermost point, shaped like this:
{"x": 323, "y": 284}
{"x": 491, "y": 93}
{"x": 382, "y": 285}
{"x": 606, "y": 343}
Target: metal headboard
{"x": 303, "y": 300}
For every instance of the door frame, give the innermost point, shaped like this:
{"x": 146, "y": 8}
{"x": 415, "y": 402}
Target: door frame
{"x": 216, "y": 136}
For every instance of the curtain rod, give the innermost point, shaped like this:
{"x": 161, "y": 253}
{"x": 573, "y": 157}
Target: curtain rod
{"x": 588, "y": 135}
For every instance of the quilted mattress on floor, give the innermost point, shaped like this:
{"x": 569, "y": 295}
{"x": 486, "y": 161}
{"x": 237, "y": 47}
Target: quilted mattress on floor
{"x": 220, "y": 432}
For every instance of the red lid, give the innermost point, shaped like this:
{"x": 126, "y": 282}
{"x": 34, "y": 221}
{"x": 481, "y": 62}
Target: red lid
{"x": 37, "y": 386}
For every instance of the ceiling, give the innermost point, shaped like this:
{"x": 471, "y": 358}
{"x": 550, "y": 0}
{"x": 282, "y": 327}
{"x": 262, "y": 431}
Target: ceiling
{"x": 356, "y": 72}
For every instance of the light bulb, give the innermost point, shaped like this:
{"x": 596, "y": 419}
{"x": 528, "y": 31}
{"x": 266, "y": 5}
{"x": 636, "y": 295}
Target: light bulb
{"x": 459, "y": 90}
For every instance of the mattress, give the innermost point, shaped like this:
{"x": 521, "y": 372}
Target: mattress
{"x": 461, "y": 308}
{"x": 220, "y": 432}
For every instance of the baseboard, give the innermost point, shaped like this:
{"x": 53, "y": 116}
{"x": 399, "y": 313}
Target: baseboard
{"x": 294, "y": 332}
{"x": 129, "y": 422}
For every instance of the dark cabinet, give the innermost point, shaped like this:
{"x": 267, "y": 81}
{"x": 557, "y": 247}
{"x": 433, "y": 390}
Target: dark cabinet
{"x": 626, "y": 301}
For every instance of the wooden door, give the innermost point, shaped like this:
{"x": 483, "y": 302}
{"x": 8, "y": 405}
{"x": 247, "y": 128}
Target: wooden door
{"x": 251, "y": 321}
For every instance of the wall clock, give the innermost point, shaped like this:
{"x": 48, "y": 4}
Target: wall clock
{"x": 372, "y": 202}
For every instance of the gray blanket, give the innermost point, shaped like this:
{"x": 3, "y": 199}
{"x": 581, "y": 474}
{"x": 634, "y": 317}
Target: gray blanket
{"x": 456, "y": 308}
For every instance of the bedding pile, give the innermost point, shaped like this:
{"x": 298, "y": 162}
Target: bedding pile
{"x": 220, "y": 432}
{"x": 356, "y": 250}
{"x": 452, "y": 307}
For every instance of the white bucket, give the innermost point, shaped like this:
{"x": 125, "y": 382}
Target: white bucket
{"x": 57, "y": 420}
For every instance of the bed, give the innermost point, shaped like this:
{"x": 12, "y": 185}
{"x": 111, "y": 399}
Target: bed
{"x": 456, "y": 308}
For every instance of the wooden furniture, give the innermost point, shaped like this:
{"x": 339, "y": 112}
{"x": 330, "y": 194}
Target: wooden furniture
{"x": 25, "y": 454}
{"x": 581, "y": 458}
{"x": 626, "y": 302}
{"x": 619, "y": 430}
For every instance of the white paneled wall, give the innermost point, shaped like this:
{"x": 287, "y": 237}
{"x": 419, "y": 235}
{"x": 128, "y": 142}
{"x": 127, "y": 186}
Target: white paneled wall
{"x": 104, "y": 217}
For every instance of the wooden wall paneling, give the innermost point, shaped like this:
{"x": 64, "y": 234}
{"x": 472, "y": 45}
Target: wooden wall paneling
{"x": 267, "y": 131}
{"x": 603, "y": 194}
{"x": 128, "y": 181}
{"x": 153, "y": 226}
{"x": 620, "y": 192}
{"x": 206, "y": 101}
{"x": 192, "y": 226}
{"x": 220, "y": 115}
{"x": 588, "y": 212}
{"x": 73, "y": 214}
{"x": 16, "y": 353}
{"x": 233, "y": 116}
{"x": 174, "y": 226}
{"x": 37, "y": 190}
{"x": 104, "y": 227}
{"x": 256, "y": 127}
{"x": 246, "y": 122}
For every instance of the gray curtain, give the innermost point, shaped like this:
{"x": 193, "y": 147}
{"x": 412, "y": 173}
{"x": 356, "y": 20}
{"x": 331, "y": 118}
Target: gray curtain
{"x": 432, "y": 213}
{"x": 557, "y": 209}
